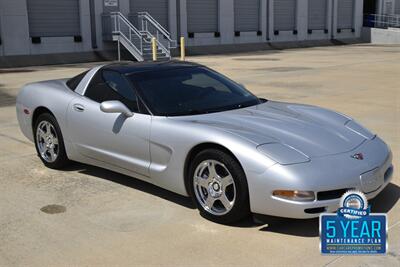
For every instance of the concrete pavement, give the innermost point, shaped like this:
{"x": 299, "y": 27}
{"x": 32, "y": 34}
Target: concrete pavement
{"x": 111, "y": 219}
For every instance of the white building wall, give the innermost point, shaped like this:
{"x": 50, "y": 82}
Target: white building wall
{"x": 14, "y": 28}
{"x": 15, "y": 32}
{"x": 226, "y": 21}
{"x": 264, "y": 20}
{"x": 173, "y": 18}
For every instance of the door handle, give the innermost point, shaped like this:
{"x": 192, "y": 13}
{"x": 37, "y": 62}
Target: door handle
{"x": 78, "y": 107}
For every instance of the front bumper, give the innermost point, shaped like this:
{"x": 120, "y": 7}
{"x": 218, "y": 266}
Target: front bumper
{"x": 329, "y": 177}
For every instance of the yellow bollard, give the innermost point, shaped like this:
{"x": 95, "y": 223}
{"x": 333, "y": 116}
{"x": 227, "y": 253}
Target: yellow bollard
{"x": 183, "y": 48}
{"x": 154, "y": 48}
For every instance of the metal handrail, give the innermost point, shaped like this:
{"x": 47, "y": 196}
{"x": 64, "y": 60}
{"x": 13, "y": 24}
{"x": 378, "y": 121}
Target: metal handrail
{"x": 155, "y": 23}
{"x": 140, "y": 52}
{"x": 159, "y": 44}
{"x": 118, "y": 18}
{"x": 127, "y": 22}
{"x": 138, "y": 39}
{"x": 384, "y": 21}
{"x": 147, "y": 18}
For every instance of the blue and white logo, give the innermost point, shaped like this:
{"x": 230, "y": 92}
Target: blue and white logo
{"x": 354, "y": 205}
{"x": 353, "y": 230}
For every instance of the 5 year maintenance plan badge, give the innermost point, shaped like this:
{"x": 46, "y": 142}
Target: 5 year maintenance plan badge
{"x": 353, "y": 229}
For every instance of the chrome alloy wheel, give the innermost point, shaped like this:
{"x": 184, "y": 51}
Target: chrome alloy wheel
{"x": 214, "y": 187}
{"x": 47, "y": 141}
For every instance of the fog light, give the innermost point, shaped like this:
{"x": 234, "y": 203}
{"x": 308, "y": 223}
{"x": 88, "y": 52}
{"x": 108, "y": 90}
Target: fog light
{"x": 295, "y": 195}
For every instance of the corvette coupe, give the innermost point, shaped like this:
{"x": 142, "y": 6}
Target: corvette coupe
{"x": 193, "y": 131}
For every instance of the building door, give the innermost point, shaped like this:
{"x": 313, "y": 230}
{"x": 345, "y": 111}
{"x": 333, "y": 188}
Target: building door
{"x": 345, "y": 14}
{"x": 317, "y": 14}
{"x": 202, "y": 16}
{"x": 285, "y": 15}
{"x": 158, "y": 9}
{"x": 247, "y": 15}
{"x": 49, "y": 18}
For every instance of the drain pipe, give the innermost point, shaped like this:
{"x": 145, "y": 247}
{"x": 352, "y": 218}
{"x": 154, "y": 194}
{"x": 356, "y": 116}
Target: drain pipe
{"x": 267, "y": 20}
{"x": 93, "y": 24}
{"x": 332, "y": 19}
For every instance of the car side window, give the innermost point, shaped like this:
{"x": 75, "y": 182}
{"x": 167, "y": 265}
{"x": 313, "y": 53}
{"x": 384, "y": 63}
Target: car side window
{"x": 97, "y": 90}
{"x": 110, "y": 85}
{"x": 74, "y": 81}
{"x": 119, "y": 84}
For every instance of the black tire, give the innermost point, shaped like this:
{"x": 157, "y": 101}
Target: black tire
{"x": 241, "y": 207}
{"x": 61, "y": 160}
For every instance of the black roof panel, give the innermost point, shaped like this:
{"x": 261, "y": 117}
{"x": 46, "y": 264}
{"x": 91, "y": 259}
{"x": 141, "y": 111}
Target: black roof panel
{"x": 128, "y": 67}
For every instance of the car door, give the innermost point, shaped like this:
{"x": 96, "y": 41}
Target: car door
{"x": 111, "y": 137}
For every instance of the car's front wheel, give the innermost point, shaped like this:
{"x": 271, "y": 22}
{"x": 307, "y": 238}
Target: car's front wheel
{"x": 49, "y": 142}
{"x": 218, "y": 186}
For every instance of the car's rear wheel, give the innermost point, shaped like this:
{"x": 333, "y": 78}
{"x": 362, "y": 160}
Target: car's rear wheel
{"x": 49, "y": 142}
{"x": 218, "y": 186}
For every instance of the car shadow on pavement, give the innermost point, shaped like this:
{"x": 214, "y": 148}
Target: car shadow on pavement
{"x": 386, "y": 199}
{"x": 131, "y": 182}
{"x": 295, "y": 227}
{"x": 383, "y": 203}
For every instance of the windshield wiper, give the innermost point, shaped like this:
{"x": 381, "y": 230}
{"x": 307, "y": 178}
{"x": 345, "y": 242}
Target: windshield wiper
{"x": 213, "y": 110}
{"x": 188, "y": 113}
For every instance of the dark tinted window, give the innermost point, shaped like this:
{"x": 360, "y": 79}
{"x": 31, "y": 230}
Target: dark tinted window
{"x": 119, "y": 84}
{"x": 190, "y": 91}
{"x": 110, "y": 85}
{"x": 97, "y": 89}
{"x": 74, "y": 82}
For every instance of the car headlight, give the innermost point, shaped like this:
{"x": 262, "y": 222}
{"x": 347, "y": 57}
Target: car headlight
{"x": 283, "y": 154}
{"x": 357, "y": 128}
{"x": 294, "y": 195}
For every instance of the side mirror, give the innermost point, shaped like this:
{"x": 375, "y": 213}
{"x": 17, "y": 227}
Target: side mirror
{"x": 115, "y": 106}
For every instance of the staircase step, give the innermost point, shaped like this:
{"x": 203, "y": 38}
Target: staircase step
{"x": 158, "y": 55}
{"x": 146, "y": 46}
{"x": 150, "y": 50}
{"x": 150, "y": 53}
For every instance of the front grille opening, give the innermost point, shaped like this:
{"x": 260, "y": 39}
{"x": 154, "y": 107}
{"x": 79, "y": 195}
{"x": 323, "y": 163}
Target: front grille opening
{"x": 315, "y": 210}
{"x": 332, "y": 194}
{"x": 388, "y": 173}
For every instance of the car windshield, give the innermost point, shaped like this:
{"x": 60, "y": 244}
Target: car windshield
{"x": 190, "y": 91}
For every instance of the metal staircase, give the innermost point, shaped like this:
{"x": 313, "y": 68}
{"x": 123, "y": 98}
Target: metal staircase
{"x": 139, "y": 41}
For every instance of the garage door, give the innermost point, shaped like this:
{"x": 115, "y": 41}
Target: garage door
{"x": 48, "y": 18}
{"x": 247, "y": 15}
{"x": 317, "y": 11}
{"x": 345, "y": 14}
{"x": 202, "y": 15}
{"x": 158, "y": 9}
{"x": 397, "y": 7}
{"x": 285, "y": 15}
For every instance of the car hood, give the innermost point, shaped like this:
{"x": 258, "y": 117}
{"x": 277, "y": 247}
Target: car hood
{"x": 312, "y": 130}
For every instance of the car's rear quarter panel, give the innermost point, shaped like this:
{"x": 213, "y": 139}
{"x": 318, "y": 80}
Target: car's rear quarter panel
{"x": 53, "y": 95}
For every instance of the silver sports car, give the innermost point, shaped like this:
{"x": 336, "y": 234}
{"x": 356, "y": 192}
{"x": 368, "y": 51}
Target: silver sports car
{"x": 189, "y": 129}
